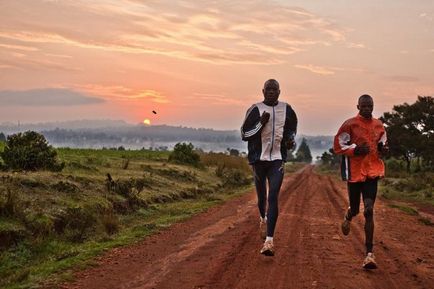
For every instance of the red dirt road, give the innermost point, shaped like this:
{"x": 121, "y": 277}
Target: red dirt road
{"x": 220, "y": 248}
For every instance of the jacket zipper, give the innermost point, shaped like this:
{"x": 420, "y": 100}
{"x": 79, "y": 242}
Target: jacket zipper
{"x": 272, "y": 137}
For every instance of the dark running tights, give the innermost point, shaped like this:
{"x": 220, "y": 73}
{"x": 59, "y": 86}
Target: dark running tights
{"x": 368, "y": 190}
{"x": 273, "y": 172}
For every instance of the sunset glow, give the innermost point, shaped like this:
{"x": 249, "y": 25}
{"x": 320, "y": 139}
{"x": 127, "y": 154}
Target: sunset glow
{"x": 203, "y": 63}
{"x": 147, "y": 121}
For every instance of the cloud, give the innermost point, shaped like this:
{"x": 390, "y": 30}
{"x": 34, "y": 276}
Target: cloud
{"x": 18, "y": 47}
{"x": 356, "y": 45}
{"x": 45, "y": 97}
{"x": 125, "y": 93}
{"x": 217, "y": 99}
{"x": 218, "y": 32}
{"x": 316, "y": 69}
{"x": 402, "y": 78}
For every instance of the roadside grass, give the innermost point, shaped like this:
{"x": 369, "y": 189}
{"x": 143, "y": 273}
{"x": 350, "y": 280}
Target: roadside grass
{"x": 292, "y": 167}
{"x": 412, "y": 212}
{"x": 54, "y": 261}
{"x": 54, "y": 222}
{"x": 408, "y": 210}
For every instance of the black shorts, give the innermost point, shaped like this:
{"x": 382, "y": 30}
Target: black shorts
{"x": 368, "y": 189}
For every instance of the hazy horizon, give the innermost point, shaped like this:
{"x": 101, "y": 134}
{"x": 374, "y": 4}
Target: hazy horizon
{"x": 203, "y": 64}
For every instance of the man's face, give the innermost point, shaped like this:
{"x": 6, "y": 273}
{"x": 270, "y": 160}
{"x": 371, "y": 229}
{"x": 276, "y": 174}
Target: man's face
{"x": 365, "y": 107}
{"x": 271, "y": 92}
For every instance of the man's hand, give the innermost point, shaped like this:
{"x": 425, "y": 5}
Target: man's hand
{"x": 361, "y": 150}
{"x": 265, "y": 117}
{"x": 383, "y": 148}
{"x": 290, "y": 144}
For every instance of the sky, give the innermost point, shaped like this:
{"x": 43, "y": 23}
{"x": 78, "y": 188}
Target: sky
{"x": 204, "y": 63}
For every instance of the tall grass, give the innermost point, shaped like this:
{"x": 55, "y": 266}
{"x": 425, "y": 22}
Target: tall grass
{"x": 402, "y": 185}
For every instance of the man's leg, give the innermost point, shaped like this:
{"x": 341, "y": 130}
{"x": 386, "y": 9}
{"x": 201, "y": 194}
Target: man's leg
{"x": 369, "y": 196}
{"x": 260, "y": 175}
{"x": 275, "y": 177}
{"x": 369, "y": 191}
{"x": 354, "y": 190}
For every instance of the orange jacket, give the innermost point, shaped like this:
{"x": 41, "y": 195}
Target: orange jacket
{"x": 357, "y": 131}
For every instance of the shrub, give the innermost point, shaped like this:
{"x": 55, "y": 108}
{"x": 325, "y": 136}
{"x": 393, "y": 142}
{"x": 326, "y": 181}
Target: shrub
{"x": 9, "y": 203}
{"x": 110, "y": 222}
{"x": 184, "y": 153}
{"x": 30, "y": 151}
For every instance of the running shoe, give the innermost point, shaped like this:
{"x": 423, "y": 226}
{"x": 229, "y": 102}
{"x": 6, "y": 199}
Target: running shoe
{"x": 268, "y": 248}
{"x": 263, "y": 228}
{"x": 346, "y": 226}
{"x": 369, "y": 262}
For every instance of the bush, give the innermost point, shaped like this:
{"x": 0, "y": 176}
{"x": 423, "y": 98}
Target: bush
{"x": 30, "y": 151}
{"x": 184, "y": 154}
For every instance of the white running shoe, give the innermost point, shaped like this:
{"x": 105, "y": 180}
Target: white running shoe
{"x": 268, "y": 248}
{"x": 369, "y": 262}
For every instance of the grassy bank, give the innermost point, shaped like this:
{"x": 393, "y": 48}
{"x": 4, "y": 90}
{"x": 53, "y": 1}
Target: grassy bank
{"x": 51, "y": 222}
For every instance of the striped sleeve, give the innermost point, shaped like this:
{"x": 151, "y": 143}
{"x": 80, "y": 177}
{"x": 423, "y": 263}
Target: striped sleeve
{"x": 252, "y": 126}
{"x": 342, "y": 144}
{"x": 290, "y": 128}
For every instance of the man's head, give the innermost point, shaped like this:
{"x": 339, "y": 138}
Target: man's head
{"x": 365, "y": 106}
{"x": 271, "y": 91}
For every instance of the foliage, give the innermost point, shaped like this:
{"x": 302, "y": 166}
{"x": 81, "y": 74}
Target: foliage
{"x": 233, "y": 152}
{"x": 2, "y": 137}
{"x": 330, "y": 159}
{"x": 30, "y": 151}
{"x": 303, "y": 153}
{"x": 410, "y": 130}
{"x": 184, "y": 153}
{"x": 223, "y": 160}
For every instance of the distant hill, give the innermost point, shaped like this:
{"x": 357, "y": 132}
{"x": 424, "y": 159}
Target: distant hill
{"x": 10, "y": 128}
{"x": 115, "y": 133}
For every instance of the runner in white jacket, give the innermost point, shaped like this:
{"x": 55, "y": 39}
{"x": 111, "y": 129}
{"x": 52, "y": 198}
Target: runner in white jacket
{"x": 269, "y": 128}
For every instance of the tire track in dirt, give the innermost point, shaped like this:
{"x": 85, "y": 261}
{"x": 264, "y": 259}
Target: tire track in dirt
{"x": 220, "y": 248}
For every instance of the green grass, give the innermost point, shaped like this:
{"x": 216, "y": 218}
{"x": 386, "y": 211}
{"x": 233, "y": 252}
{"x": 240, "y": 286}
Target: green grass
{"x": 426, "y": 221}
{"x": 412, "y": 212}
{"x": 38, "y": 263}
{"x": 56, "y": 221}
{"x": 408, "y": 210}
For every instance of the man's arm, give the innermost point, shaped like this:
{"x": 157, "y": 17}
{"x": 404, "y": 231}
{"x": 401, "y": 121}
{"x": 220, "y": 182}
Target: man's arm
{"x": 290, "y": 128}
{"x": 382, "y": 146}
{"x": 343, "y": 144}
{"x": 252, "y": 124}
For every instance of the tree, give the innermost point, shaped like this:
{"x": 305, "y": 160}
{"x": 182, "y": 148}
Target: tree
{"x": 2, "y": 137}
{"x": 233, "y": 152}
{"x": 330, "y": 158}
{"x": 410, "y": 131}
{"x": 184, "y": 153}
{"x": 30, "y": 151}
{"x": 303, "y": 153}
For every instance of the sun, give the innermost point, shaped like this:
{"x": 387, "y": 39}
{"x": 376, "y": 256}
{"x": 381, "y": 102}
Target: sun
{"x": 147, "y": 121}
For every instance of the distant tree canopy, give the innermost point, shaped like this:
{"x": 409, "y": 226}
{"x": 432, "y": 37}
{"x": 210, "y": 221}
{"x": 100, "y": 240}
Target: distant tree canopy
{"x": 303, "y": 153}
{"x": 184, "y": 153}
{"x": 410, "y": 131}
{"x": 30, "y": 151}
{"x": 233, "y": 152}
{"x": 330, "y": 158}
{"x": 2, "y": 137}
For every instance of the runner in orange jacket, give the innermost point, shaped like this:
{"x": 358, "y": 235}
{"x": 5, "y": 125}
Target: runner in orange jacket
{"x": 361, "y": 140}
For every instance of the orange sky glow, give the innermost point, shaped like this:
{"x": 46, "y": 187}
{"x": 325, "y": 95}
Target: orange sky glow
{"x": 203, "y": 63}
